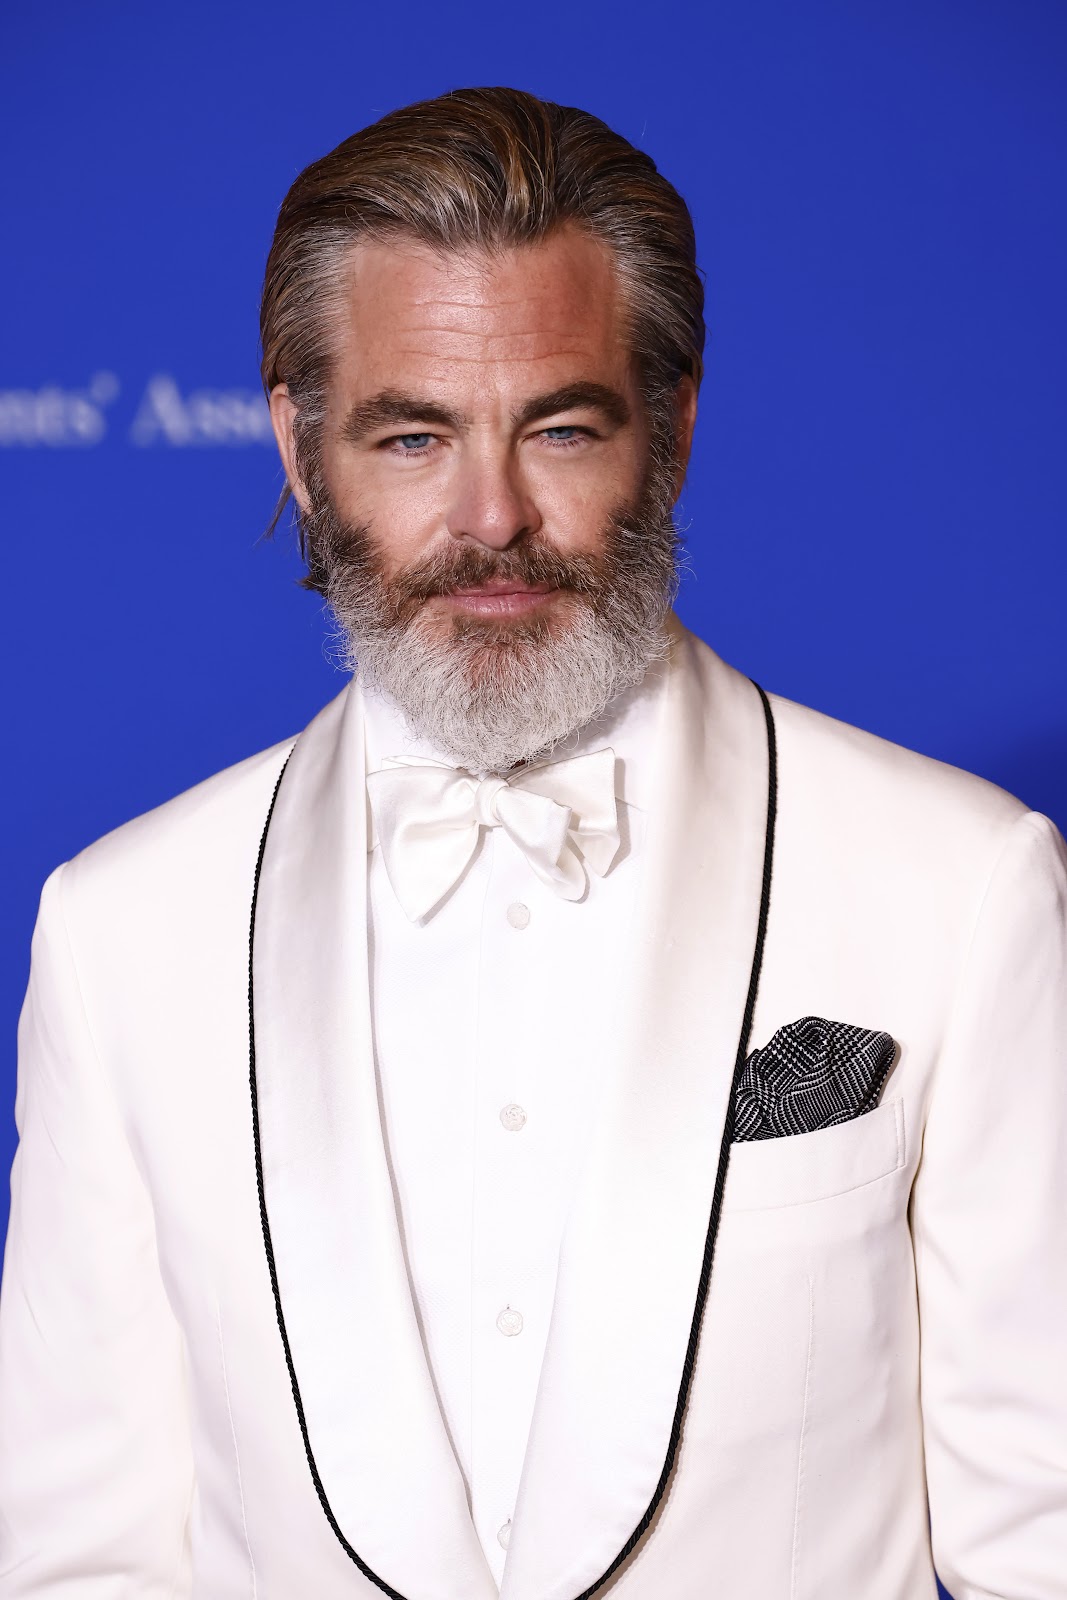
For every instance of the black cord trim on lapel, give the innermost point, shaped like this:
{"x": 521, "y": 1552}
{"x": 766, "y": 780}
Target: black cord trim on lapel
{"x": 394, "y": 1594}
{"x": 689, "y": 1363}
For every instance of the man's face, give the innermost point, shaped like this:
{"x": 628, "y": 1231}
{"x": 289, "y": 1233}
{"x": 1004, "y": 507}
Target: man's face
{"x": 478, "y": 400}
{"x": 488, "y": 517}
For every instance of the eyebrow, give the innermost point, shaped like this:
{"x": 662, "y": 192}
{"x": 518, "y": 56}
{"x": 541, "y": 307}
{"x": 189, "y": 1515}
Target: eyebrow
{"x": 394, "y": 406}
{"x": 575, "y": 397}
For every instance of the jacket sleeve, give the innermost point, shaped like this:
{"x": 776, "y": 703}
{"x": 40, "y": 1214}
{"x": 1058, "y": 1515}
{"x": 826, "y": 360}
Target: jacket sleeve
{"x": 96, "y": 1477}
{"x": 989, "y": 1219}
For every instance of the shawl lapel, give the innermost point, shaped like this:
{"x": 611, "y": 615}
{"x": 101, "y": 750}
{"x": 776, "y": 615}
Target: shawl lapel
{"x": 382, "y": 1464}
{"x": 631, "y": 1257}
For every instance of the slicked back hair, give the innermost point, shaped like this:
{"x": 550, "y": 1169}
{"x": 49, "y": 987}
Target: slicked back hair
{"x": 479, "y": 168}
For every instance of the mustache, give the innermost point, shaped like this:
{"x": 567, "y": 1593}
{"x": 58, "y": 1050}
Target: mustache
{"x": 528, "y": 562}
{"x": 345, "y": 559}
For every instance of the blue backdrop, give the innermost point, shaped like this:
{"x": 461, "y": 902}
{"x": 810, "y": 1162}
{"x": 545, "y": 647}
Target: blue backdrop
{"x": 875, "y": 515}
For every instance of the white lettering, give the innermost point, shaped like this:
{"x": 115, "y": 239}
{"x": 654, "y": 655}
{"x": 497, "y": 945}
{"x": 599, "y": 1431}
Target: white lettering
{"x": 225, "y": 417}
{"x": 161, "y": 414}
{"x": 57, "y": 417}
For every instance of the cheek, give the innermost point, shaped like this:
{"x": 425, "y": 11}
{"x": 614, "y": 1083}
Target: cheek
{"x": 403, "y": 511}
{"x": 576, "y": 497}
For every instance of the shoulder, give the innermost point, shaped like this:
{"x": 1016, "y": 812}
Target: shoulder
{"x": 198, "y": 848}
{"x": 852, "y": 799}
{"x": 201, "y": 818}
{"x": 845, "y": 767}
{"x": 917, "y": 831}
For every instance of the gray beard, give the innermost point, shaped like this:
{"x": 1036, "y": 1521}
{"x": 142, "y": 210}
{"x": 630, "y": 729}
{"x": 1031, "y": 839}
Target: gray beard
{"x": 491, "y": 695}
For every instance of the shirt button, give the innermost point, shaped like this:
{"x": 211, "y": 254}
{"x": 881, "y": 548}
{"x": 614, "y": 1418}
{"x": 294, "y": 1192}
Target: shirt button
{"x": 519, "y": 915}
{"x": 509, "y": 1322}
{"x": 504, "y": 1534}
{"x": 513, "y": 1117}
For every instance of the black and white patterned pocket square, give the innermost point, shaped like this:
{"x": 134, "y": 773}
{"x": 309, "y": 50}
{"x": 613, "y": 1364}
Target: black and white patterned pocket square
{"x": 812, "y": 1074}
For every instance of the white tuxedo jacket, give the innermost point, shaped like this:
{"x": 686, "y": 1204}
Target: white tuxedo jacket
{"x": 882, "y": 1351}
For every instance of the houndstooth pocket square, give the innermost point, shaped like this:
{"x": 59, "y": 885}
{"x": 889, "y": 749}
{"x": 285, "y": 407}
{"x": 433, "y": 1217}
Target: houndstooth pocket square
{"x": 812, "y": 1074}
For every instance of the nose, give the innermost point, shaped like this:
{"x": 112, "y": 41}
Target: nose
{"x": 492, "y": 504}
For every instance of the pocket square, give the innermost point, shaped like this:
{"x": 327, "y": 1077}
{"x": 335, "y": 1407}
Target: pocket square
{"x": 812, "y": 1074}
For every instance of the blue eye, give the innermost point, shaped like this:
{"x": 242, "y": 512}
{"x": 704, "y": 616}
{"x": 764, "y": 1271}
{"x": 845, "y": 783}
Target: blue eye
{"x": 413, "y": 441}
{"x": 564, "y": 432}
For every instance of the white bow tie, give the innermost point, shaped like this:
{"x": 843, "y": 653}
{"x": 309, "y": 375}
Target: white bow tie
{"x": 563, "y": 817}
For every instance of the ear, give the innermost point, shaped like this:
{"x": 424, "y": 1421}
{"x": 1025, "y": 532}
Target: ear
{"x": 283, "y": 420}
{"x": 685, "y": 417}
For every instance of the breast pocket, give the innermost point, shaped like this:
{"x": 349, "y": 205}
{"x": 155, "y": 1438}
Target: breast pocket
{"x": 804, "y": 1167}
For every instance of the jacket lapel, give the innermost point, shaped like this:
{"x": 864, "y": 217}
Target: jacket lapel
{"x": 384, "y": 1469}
{"x": 632, "y": 1252}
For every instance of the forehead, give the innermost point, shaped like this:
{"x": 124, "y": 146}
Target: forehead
{"x": 508, "y": 322}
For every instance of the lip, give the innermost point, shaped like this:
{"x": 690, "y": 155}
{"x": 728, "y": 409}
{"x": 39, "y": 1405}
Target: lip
{"x": 500, "y": 598}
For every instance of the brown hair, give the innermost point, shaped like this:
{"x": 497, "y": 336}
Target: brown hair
{"x": 488, "y": 168}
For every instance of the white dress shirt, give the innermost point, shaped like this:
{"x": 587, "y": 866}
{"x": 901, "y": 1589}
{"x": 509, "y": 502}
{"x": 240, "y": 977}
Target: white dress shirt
{"x": 489, "y": 1022}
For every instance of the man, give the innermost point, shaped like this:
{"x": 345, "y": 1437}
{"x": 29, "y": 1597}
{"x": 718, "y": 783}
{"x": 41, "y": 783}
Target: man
{"x": 568, "y": 1123}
